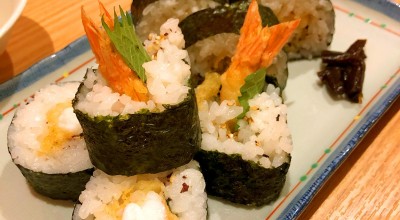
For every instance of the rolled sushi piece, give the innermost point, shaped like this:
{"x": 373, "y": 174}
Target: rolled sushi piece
{"x": 246, "y": 143}
{"x": 138, "y": 110}
{"x": 175, "y": 194}
{"x": 316, "y": 28}
{"x": 45, "y": 143}
{"x": 211, "y": 36}
{"x": 149, "y": 15}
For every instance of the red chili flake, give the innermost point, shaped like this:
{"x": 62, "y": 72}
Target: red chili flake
{"x": 185, "y": 187}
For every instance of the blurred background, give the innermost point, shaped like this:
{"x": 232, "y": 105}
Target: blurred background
{"x": 36, "y": 31}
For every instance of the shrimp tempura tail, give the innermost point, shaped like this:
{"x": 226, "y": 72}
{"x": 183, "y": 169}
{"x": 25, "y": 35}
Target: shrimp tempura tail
{"x": 111, "y": 65}
{"x": 257, "y": 48}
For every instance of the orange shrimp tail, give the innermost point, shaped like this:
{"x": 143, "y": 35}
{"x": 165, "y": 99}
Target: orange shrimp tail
{"x": 114, "y": 70}
{"x": 106, "y": 16}
{"x": 92, "y": 32}
{"x": 257, "y": 48}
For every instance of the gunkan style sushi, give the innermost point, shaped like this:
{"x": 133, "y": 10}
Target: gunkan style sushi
{"x": 175, "y": 194}
{"x": 246, "y": 143}
{"x": 45, "y": 142}
{"x": 138, "y": 110}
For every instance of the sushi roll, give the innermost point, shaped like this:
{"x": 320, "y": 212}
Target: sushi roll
{"x": 138, "y": 110}
{"x": 45, "y": 142}
{"x": 316, "y": 28}
{"x": 176, "y": 194}
{"x": 149, "y": 15}
{"x": 211, "y": 36}
{"x": 246, "y": 143}
{"x": 314, "y": 34}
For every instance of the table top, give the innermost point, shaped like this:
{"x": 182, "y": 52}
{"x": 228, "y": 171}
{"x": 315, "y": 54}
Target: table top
{"x": 366, "y": 184}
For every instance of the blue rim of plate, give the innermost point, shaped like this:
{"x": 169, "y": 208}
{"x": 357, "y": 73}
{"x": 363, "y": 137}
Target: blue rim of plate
{"x": 343, "y": 150}
{"x": 387, "y": 7}
{"x": 338, "y": 156}
{"x": 44, "y": 67}
{"x": 326, "y": 170}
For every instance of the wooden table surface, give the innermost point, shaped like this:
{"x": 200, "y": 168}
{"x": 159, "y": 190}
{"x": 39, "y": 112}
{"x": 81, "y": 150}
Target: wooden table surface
{"x": 366, "y": 186}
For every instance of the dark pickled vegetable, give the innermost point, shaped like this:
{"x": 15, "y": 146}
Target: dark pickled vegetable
{"x": 226, "y": 18}
{"x": 66, "y": 186}
{"x": 239, "y": 181}
{"x": 144, "y": 142}
{"x": 343, "y": 72}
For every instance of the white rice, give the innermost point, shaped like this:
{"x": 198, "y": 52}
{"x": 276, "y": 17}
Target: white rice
{"x": 315, "y": 31}
{"x": 263, "y": 136}
{"x": 30, "y": 123}
{"x": 167, "y": 75}
{"x": 158, "y": 12}
{"x": 191, "y": 204}
{"x": 187, "y": 202}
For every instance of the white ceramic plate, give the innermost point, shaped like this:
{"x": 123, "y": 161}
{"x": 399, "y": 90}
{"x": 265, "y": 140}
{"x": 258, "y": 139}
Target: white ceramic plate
{"x": 325, "y": 131}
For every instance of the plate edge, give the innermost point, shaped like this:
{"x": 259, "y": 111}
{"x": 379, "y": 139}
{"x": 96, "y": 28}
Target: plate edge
{"x": 295, "y": 208}
{"x": 387, "y": 7}
{"x": 44, "y": 67}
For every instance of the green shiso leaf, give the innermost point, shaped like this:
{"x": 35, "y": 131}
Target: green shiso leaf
{"x": 127, "y": 43}
{"x": 254, "y": 84}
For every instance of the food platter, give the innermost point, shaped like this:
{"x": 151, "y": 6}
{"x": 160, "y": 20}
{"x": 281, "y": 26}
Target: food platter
{"x": 325, "y": 130}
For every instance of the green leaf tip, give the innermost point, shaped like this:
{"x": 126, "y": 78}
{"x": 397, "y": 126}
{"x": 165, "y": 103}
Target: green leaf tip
{"x": 127, "y": 43}
{"x": 254, "y": 84}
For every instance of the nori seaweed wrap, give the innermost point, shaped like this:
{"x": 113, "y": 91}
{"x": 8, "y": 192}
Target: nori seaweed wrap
{"x": 148, "y": 15}
{"x": 66, "y": 186}
{"x": 44, "y": 142}
{"x": 144, "y": 142}
{"x": 227, "y": 18}
{"x": 246, "y": 142}
{"x": 314, "y": 34}
{"x": 138, "y": 110}
{"x": 211, "y": 36}
{"x": 240, "y": 181}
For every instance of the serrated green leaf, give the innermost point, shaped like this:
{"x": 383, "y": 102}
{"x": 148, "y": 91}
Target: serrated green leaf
{"x": 127, "y": 43}
{"x": 254, "y": 84}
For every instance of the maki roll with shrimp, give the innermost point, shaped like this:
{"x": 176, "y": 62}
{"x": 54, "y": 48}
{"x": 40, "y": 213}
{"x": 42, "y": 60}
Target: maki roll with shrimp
{"x": 45, "y": 142}
{"x": 175, "y": 194}
{"x": 211, "y": 36}
{"x": 246, "y": 143}
{"x": 211, "y": 33}
{"x": 138, "y": 110}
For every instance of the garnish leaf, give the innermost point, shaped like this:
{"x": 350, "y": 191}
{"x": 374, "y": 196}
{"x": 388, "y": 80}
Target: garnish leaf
{"x": 254, "y": 84}
{"x": 127, "y": 43}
